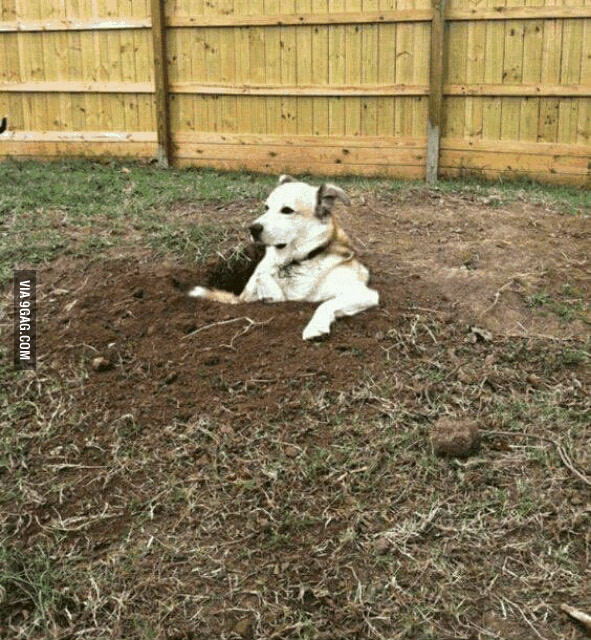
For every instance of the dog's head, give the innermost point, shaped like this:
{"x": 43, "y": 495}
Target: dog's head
{"x": 297, "y": 215}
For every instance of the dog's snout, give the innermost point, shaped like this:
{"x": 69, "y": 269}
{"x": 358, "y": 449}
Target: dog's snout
{"x": 256, "y": 229}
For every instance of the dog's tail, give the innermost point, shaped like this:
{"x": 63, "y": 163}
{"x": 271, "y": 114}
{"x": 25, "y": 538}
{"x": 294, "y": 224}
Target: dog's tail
{"x": 217, "y": 295}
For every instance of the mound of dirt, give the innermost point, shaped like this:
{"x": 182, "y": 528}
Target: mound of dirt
{"x": 193, "y": 355}
{"x": 171, "y": 356}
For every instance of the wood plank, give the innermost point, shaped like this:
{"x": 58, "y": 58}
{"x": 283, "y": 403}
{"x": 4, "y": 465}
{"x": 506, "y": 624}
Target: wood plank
{"x": 412, "y": 15}
{"x": 536, "y": 148}
{"x": 142, "y": 42}
{"x": 74, "y": 25}
{"x": 353, "y": 69}
{"x": 316, "y": 168}
{"x": 584, "y": 116}
{"x": 304, "y": 63}
{"x": 476, "y": 47}
{"x": 77, "y": 149}
{"x": 116, "y": 68}
{"x": 80, "y": 136}
{"x": 436, "y": 93}
{"x": 128, "y": 70}
{"x": 301, "y": 141}
{"x": 299, "y": 156}
{"x": 76, "y": 86}
{"x": 550, "y": 71}
{"x": 289, "y": 105}
{"x": 299, "y": 89}
{"x": 518, "y": 13}
{"x": 320, "y": 72}
{"x": 76, "y": 67}
{"x": 387, "y": 16}
{"x": 421, "y": 71}
{"x": 286, "y": 19}
{"x": 403, "y": 116}
{"x": 509, "y": 89}
{"x": 512, "y": 74}
{"x": 493, "y": 74}
{"x": 273, "y": 51}
{"x": 516, "y": 162}
{"x": 386, "y": 75}
{"x": 369, "y": 71}
{"x": 572, "y": 44}
{"x": 532, "y": 73}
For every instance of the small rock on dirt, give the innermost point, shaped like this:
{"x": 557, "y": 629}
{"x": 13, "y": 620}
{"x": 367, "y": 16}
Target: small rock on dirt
{"x": 138, "y": 293}
{"x": 101, "y": 363}
{"x": 455, "y": 438}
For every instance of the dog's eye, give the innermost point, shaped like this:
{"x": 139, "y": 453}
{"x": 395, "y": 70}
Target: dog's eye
{"x": 287, "y": 210}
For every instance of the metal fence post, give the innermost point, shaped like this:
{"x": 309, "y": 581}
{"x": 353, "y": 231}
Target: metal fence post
{"x": 435, "y": 90}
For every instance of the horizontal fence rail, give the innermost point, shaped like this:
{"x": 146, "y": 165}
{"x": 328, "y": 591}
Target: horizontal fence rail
{"x": 345, "y": 91}
{"x": 365, "y": 17}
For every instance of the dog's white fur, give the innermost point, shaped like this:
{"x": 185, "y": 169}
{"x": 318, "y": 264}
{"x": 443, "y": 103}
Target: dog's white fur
{"x": 308, "y": 257}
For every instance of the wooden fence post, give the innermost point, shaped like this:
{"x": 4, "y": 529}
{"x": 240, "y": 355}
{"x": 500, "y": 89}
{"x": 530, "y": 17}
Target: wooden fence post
{"x": 436, "y": 90}
{"x": 161, "y": 83}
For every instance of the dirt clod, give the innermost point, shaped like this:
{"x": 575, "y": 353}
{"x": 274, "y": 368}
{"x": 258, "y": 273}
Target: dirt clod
{"x": 243, "y": 628}
{"x": 455, "y": 438}
{"x": 382, "y": 545}
{"x": 171, "y": 377}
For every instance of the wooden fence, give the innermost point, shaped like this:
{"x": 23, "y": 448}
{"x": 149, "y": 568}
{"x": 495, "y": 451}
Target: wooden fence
{"x": 384, "y": 87}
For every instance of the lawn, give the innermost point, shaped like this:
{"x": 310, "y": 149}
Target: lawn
{"x": 220, "y": 478}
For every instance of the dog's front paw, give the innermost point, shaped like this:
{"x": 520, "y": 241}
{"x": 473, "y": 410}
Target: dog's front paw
{"x": 315, "y": 332}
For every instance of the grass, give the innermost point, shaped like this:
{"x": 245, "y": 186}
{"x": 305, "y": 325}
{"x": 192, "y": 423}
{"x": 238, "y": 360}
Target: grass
{"x": 567, "y": 302}
{"x": 85, "y": 208}
{"x": 298, "y": 508}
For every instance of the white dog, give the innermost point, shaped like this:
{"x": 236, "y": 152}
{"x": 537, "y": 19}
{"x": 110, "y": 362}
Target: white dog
{"x": 308, "y": 257}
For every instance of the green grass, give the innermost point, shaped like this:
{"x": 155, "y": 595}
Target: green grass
{"x": 567, "y": 303}
{"x": 85, "y": 208}
{"x": 571, "y": 200}
{"x": 29, "y": 584}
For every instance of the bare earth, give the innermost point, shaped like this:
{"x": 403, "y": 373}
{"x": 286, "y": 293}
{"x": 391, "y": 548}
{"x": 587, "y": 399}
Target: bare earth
{"x": 224, "y": 479}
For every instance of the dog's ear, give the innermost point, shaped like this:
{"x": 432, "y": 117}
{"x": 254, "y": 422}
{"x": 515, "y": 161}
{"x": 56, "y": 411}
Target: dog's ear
{"x": 285, "y": 178}
{"x": 326, "y": 196}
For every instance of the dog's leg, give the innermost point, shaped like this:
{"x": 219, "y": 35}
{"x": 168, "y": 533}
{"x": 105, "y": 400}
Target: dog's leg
{"x": 217, "y": 295}
{"x": 262, "y": 285}
{"x": 347, "y": 304}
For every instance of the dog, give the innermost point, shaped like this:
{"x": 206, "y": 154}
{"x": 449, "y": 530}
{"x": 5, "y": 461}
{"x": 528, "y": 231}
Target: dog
{"x": 308, "y": 257}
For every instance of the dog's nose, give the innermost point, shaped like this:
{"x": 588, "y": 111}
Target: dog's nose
{"x": 256, "y": 230}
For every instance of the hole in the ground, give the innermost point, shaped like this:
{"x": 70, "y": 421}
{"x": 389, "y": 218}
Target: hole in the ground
{"x": 232, "y": 272}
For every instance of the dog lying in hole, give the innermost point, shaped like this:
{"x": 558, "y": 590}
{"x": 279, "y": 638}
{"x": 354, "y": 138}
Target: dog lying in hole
{"x": 308, "y": 257}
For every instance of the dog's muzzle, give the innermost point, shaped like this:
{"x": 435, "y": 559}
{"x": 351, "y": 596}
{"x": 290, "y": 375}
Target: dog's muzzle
{"x": 255, "y": 231}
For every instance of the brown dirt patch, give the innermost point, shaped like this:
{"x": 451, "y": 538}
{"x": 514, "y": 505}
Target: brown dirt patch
{"x": 241, "y": 476}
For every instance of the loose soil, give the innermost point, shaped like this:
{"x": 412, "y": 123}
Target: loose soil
{"x": 261, "y": 480}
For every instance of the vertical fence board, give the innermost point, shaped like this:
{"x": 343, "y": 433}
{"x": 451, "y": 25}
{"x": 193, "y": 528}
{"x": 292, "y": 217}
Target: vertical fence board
{"x": 161, "y": 83}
